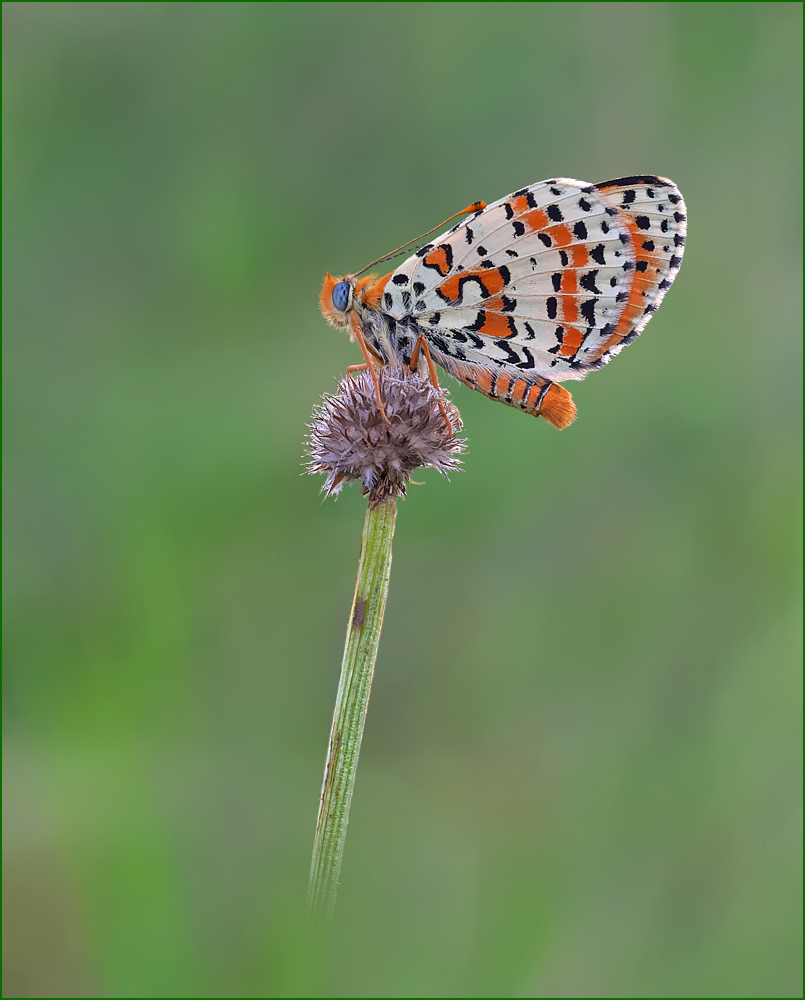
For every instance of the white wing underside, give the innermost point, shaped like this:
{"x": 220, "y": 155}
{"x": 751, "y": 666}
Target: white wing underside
{"x": 576, "y": 287}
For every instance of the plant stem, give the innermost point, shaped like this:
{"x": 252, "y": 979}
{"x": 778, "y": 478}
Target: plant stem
{"x": 352, "y": 700}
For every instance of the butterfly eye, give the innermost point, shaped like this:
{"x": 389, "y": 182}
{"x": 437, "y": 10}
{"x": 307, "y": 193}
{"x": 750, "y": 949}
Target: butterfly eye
{"x": 341, "y": 295}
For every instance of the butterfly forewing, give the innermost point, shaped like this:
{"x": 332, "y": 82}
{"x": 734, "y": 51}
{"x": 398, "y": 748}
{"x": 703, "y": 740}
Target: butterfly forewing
{"x": 550, "y": 281}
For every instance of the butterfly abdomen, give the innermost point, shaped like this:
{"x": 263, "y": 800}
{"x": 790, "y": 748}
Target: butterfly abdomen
{"x": 539, "y": 397}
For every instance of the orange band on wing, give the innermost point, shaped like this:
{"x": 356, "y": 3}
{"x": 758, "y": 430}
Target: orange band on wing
{"x": 571, "y": 342}
{"x": 535, "y": 220}
{"x": 579, "y": 255}
{"x": 569, "y": 287}
{"x": 439, "y": 259}
{"x": 634, "y": 304}
{"x": 495, "y": 325}
{"x": 493, "y": 281}
{"x": 560, "y": 235}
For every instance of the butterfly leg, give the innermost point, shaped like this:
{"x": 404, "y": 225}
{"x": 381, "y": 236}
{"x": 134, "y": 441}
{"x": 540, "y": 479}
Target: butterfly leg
{"x": 357, "y": 368}
{"x": 422, "y": 345}
{"x": 370, "y": 367}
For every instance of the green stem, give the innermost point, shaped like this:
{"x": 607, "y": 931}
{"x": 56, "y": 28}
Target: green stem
{"x": 352, "y": 700}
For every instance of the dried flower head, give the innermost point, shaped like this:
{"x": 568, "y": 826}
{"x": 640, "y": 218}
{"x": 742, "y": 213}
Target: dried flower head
{"x": 349, "y": 440}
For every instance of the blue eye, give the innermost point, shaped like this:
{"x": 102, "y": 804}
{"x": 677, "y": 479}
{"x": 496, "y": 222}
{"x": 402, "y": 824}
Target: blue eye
{"x": 341, "y": 295}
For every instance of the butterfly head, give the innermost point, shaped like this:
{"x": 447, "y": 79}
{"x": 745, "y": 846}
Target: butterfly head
{"x": 336, "y": 300}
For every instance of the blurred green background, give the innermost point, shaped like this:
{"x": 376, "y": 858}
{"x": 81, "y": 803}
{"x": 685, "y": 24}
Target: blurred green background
{"x": 580, "y": 776}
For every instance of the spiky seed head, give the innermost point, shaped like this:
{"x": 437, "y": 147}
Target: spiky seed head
{"x": 350, "y": 441}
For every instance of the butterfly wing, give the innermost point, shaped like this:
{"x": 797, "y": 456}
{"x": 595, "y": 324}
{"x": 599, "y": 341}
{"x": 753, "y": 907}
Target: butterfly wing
{"x": 547, "y": 283}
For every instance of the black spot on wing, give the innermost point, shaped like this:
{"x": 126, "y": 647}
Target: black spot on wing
{"x": 642, "y": 221}
{"x": 419, "y": 288}
{"x": 587, "y": 281}
{"x": 559, "y": 333}
{"x": 545, "y": 238}
{"x": 580, "y": 231}
{"x": 511, "y": 356}
{"x": 469, "y": 236}
{"x": 587, "y": 309}
{"x": 424, "y": 251}
{"x": 584, "y": 205}
{"x": 563, "y": 258}
{"x": 518, "y": 227}
{"x": 556, "y": 281}
{"x": 597, "y": 254}
{"x": 555, "y": 213}
{"x": 550, "y": 305}
{"x": 400, "y": 279}
{"x": 529, "y": 359}
{"x": 388, "y": 300}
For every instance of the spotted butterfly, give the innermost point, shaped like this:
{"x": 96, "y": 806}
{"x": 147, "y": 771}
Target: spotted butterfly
{"x": 542, "y": 286}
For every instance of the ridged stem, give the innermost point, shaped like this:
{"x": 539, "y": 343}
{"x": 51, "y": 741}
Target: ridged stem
{"x": 352, "y": 700}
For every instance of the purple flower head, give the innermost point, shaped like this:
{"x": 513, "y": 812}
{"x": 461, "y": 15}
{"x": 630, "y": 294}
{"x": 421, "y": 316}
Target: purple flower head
{"x": 349, "y": 440}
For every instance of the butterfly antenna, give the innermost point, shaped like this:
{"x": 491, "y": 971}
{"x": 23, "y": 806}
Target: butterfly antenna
{"x": 476, "y": 206}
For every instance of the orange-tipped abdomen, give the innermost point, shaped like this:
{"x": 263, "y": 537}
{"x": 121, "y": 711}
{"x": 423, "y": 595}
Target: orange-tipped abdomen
{"x": 558, "y": 407}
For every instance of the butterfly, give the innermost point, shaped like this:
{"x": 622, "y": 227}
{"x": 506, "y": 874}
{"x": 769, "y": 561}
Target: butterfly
{"x": 538, "y": 288}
